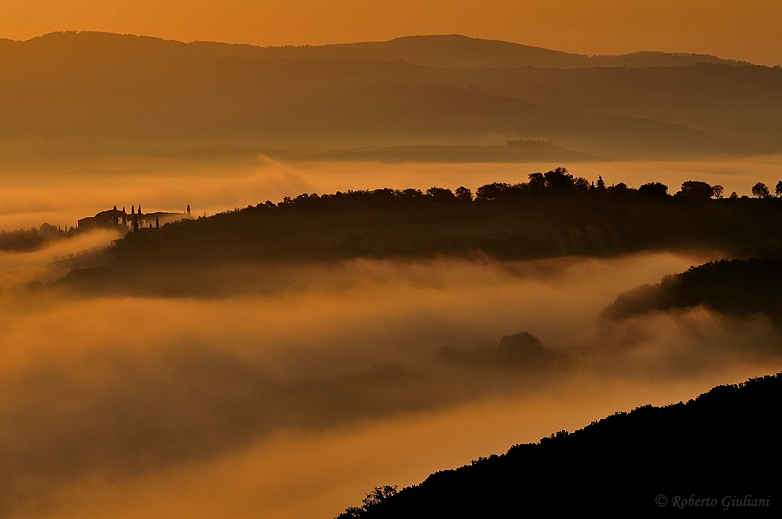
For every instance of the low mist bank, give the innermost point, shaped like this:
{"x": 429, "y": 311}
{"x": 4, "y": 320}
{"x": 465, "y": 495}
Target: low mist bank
{"x": 55, "y": 259}
{"x": 339, "y": 377}
{"x": 304, "y": 475}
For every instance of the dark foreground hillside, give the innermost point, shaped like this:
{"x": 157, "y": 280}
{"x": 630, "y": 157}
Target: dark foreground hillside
{"x": 717, "y": 453}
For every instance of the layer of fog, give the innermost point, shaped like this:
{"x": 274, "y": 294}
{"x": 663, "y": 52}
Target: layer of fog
{"x": 304, "y": 475}
{"x": 51, "y": 262}
{"x": 62, "y": 192}
{"x": 331, "y": 380}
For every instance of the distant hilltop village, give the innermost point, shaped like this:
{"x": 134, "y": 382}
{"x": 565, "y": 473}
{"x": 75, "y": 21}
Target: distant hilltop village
{"x": 136, "y": 220}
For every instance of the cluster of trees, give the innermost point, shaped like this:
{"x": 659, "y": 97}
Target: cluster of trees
{"x": 556, "y": 183}
{"x": 560, "y": 182}
{"x": 760, "y": 190}
{"x": 373, "y": 500}
{"x": 552, "y": 184}
{"x": 377, "y": 198}
{"x": 26, "y": 240}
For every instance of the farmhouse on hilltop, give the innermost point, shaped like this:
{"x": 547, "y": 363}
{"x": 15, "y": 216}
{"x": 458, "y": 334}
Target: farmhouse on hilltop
{"x": 120, "y": 219}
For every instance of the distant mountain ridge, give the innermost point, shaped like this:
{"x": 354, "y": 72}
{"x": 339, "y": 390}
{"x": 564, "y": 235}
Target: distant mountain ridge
{"x": 106, "y": 91}
{"x": 449, "y": 51}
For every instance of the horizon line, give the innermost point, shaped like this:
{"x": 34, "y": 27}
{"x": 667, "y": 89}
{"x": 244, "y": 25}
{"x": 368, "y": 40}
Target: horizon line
{"x": 185, "y": 42}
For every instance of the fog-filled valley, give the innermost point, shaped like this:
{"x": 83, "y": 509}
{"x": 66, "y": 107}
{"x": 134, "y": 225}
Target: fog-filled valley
{"x": 241, "y": 281}
{"x": 295, "y": 387}
{"x": 124, "y": 394}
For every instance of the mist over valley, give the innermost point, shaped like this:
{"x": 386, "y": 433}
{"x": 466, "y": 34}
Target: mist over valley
{"x": 241, "y": 281}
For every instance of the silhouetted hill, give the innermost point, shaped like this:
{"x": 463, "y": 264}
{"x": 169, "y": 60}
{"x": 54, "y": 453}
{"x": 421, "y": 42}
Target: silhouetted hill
{"x": 739, "y": 101}
{"x": 521, "y": 221}
{"x": 99, "y": 91}
{"x": 552, "y": 215}
{"x": 447, "y": 51}
{"x": 457, "y": 51}
{"x": 721, "y": 447}
{"x": 736, "y": 287}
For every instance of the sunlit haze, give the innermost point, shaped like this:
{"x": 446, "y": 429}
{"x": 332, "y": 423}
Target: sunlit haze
{"x": 262, "y": 280}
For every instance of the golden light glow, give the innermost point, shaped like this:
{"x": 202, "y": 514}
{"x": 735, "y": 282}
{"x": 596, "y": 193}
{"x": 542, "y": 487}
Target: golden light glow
{"x": 254, "y": 391}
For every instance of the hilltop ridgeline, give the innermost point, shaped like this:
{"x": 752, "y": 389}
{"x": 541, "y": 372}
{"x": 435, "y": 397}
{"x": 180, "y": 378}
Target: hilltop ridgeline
{"x": 447, "y": 50}
{"x": 714, "y": 454}
{"x": 553, "y": 214}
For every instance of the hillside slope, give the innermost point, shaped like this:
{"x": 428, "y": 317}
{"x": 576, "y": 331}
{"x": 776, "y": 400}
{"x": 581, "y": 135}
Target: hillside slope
{"x": 721, "y": 447}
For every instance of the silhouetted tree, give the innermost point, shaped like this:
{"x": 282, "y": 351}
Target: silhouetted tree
{"x": 653, "y": 190}
{"x": 695, "y": 189}
{"x": 581, "y": 183}
{"x": 717, "y": 190}
{"x": 47, "y": 228}
{"x": 440, "y": 194}
{"x": 558, "y": 179}
{"x": 371, "y": 502}
{"x": 601, "y": 185}
{"x": 778, "y": 189}
{"x": 618, "y": 190}
{"x": 537, "y": 180}
{"x": 411, "y": 194}
{"x": 760, "y": 190}
{"x": 463, "y": 194}
{"x": 523, "y": 348}
{"x": 491, "y": 191}
{"x": 379, "y": 494}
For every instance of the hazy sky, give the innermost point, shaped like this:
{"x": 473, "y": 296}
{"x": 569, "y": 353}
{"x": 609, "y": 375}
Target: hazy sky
{"x": 747, "y": 30}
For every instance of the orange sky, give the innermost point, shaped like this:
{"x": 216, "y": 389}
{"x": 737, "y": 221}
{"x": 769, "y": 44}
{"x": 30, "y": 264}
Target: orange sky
{"x": 747, "y": 30}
